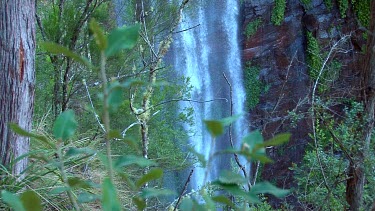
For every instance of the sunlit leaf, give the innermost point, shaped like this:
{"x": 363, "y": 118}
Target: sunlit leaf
{"x": 122, "y": 38}
{"x": 12, "y": 200}
{"x": 100, "y": 38}
{"x": 215, "y": 127}
{"x": 31, "y": 201}
{"x": 65, "y": 125}
{"x": 110, "y": 201}
{"x": 58, "y": 49}
{"x": 153, "y": 174}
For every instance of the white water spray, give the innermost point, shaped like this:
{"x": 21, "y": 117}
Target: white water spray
{"x": 203, "y": 54}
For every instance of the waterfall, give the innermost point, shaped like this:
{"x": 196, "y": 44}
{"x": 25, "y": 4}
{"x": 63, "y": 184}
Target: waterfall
{"x": 203, "y": 53}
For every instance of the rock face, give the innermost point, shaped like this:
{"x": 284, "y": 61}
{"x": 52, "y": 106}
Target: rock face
{"x": 280, "y": 52}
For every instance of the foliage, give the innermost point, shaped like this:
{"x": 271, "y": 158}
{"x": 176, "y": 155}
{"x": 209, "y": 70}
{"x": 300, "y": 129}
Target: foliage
{"x": 336, "y": 142}
{"x": 315, "y": 64}
{"x": 65, "y": 158}
{"x": 278, "y": 12}
{"x": 306, "y": 4}
{"x": 253, "y": 85}
{"x": 343, "y": 7}
{"x": 328, "y": 4}
{"x": 252, "y": 27}
{"x": 362, "y": 9}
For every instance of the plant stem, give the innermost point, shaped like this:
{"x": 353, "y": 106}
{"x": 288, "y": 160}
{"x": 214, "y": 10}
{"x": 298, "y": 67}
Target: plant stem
{"x": 106, "y": 114}
{"x": 65, "y": 178}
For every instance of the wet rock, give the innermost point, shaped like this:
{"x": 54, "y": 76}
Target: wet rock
{"x": 280, "y": 52}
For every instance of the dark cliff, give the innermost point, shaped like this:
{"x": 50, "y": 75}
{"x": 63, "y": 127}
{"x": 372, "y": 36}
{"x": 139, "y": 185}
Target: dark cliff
{"x": 280, "y": 53}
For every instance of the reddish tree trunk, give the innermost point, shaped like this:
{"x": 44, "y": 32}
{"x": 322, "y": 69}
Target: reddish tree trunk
{"x": 17, "y": 54}
{"x": 356, "y": 181}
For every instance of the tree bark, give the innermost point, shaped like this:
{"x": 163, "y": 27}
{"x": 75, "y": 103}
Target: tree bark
{"x": 356, "y": 173}
{"x": 17, "y": 77}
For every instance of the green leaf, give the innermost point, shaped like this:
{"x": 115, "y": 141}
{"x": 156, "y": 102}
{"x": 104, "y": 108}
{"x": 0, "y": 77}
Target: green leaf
{"x": 59, "y": 190}
{"x": 100, "y": 38}
{"x": 127, "y": 160}
{"x": 249, "y": 155}
{"x": 12, "y": 200}
{"x": 275, "y": 141}
{"x": 65, "y": 125}
{"x": 122, "y": 38}
{"x": 228, "y": 177}
{"x": 54, "y": 48}
{"x": 114, "y": 134}
{"x": 215, "y": 127}
{"x": 31, "y": 201}
{"x": 188, "y": 204}
{"x": 17, "y": 129}
{"x": 76, "y": 182}
{"x": 153, "y": 192}
{"x": 110, "y": 200}
{"x": 153, "y": 174}
{"x": 116, "y": 96}
{"x": 261, "y": 157}
{"x": 210, "y": 204}
{"x": 72, "y": 151}
{"x": 266, "y": 187}
{"x": 236, "y": 191}
{"x": 250, "y": 141}
{"x": 86, "y": 197}
{"x": 229, "y": 120}
{"x": 223, "y": 200}
{"x": 141, "y": 204}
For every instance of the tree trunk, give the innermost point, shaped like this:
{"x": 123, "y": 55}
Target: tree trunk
{"x": 356, "y": 173}
{"x": 17, "y": 54}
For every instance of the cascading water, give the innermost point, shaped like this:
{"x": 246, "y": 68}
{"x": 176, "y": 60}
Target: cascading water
{"x": 203, "y": 54}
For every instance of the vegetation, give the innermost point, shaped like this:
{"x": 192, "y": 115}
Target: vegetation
{"x": 254, "y": 87}
{"x": 278, "y": 12}
{"x": 328, "y": 4}
{"x": 252, "y": 27}
{"x": 94, "y": 161}
{"x": 108, "y": 133}
{"x": 362, "y": 9}
{"x": 318, "y": 66}
{"x": 335, "y": 148}
{"x": 343, "y": 7}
